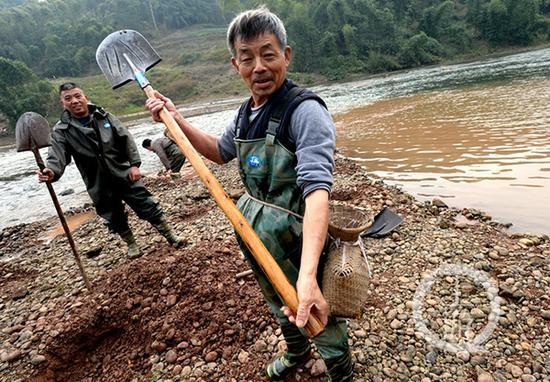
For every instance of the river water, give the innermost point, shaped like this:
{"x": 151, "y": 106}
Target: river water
{"x": 475, "y": 134}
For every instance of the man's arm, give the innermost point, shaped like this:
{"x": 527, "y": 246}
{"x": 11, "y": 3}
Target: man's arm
{"x": 314, "y": 236}
{"x": 206, "y": 144}
{"x": 314, "y": 134}
{"x": 58, "y": 158}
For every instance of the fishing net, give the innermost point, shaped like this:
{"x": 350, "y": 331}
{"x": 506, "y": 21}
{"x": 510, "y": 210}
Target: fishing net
{"x": 346, "y": 271}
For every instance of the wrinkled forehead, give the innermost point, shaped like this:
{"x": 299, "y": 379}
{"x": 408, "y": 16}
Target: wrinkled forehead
{"x": 262, "y": 40}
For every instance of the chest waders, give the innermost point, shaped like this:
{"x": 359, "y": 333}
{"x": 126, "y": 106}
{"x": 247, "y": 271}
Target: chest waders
{"x": 274, "y": 206}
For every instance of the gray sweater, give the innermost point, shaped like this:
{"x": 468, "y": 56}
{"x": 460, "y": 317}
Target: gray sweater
{"x": 314, "y": 135}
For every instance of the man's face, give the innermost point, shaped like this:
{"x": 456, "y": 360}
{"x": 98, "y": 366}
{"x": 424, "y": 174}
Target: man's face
{"x": 262, "y": 65}
{"x": 75, "y": 102}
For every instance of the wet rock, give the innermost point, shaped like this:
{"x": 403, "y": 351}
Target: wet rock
{"x": 66, "y": 192}
{"x": 439, "y": 203}
{"x": 10, "y": 356}
{"x": 171, "y": 356}
{"x": 186, "y": 371}
{"x": 318, "y": 368}
{"x": 38, "y": 359}
{"x": 260, "y": 346}
{"x": 243, "y": 357}
{"x": 19, "y": 292}
{"x": 171, "y": 300}
{"x": 211, "y": 356}
{"x": 158, "y": 346}
{"x": 485, "y": 377}
{"x": 526, "y": 242}
{"x": 92, "y": 252}
{"x": 516, "y": 371}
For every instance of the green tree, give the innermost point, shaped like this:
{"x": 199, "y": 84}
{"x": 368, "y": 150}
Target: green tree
{"x": 420, "y": 50}
{"x": 496, "y": 29}
{"x": 22, "y": 91}
{"x": 522, "y": 15}
{"x": 304, "y": 34}
{"x": 230, "y": 8}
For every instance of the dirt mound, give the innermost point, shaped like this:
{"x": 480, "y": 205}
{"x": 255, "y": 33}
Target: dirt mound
{"x": 112, "y": 334}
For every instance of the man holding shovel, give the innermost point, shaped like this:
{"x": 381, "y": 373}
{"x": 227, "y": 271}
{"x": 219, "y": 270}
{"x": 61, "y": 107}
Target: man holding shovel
{"x": 108, "y": 160}
{"x": 284, "y": 139}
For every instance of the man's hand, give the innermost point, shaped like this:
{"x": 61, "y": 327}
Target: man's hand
{"x": 134, "y": 174}
{"x": 311, "y": 300}
{"x": 155, "y": 105}
{"x": 45, "y": 175}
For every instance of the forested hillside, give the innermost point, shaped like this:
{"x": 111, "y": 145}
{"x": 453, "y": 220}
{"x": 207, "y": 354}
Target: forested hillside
{"x": 336, "y": 37}
{"x": 332, "y": 38}
{"x": 59, "y": 37}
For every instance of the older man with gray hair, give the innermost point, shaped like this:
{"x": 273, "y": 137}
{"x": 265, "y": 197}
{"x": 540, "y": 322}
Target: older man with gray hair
{"x": 284, "y": 139}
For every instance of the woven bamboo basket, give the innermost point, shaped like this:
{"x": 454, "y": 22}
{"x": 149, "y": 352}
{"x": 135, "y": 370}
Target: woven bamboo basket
{"x": 346, "y": 272}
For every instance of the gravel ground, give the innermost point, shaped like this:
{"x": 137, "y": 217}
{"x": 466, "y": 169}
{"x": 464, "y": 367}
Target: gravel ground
{"x": 453, "y": 297}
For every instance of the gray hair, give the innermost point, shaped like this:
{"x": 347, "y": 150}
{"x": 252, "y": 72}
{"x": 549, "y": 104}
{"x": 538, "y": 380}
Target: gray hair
{"x": 250, "y": 24}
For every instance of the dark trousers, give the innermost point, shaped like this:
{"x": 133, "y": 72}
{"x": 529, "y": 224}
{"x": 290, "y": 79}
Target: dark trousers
{"x": 332, "y": 343}
{"x": 176, "y": 158}
{"x": 111, "y": 208}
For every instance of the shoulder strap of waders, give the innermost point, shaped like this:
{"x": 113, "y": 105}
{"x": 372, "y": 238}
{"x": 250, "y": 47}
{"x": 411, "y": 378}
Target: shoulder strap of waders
{"x": 278, "y": 113}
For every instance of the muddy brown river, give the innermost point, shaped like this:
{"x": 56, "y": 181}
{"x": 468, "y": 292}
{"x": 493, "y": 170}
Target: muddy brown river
{"x": 485, "y": 146}
{"x": 474, "y": 134}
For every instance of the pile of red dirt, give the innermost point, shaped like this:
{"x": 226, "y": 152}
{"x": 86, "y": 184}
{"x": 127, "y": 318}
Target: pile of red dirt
{"x": 190, "y": 305}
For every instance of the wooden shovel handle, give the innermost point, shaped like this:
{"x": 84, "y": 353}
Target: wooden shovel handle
{"x": 66, "y": 228}
{"x": 270, "y": 267}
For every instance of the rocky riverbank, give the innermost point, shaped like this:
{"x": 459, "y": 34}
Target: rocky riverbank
{"x": 183, "y": 315}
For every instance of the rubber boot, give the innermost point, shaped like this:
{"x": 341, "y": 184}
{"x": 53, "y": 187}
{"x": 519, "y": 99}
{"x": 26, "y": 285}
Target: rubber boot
{"x": 166, "y": 230}
{"x": 340, "y": 369}
{"x": 133, "y": 249}
{"x": 283, "y": 364}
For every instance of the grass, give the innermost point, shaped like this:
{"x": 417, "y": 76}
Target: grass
{"x": 195, "y": 66}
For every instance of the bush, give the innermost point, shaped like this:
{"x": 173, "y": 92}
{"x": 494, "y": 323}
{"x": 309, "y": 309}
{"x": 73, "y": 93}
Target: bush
{"x": 337, "y": 68}
{"x": 420, "y": 50}
{"x": 377, "y": 62}
{"x": 188, "y": 58}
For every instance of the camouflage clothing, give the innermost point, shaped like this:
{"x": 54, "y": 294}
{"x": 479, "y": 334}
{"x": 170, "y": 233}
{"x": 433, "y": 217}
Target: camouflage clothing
{"x": 268, "y": 172}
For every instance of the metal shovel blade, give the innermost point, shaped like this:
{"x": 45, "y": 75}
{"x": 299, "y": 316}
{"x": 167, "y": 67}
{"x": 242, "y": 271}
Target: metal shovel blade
{"x": 384, "y": 223}
{"x": 111, "y": 60}
{"x": 32, "y": 131}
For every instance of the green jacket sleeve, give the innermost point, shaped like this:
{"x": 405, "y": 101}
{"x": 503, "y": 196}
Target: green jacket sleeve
{"x": 126, "y": 141}
{"x": 58, "y": 154}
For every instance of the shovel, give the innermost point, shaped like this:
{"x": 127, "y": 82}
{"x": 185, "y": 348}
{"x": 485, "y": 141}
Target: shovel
{"x": 384, "y": 223}
{"x": 124, "y": 56}
{"x": 32, "y": 132}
